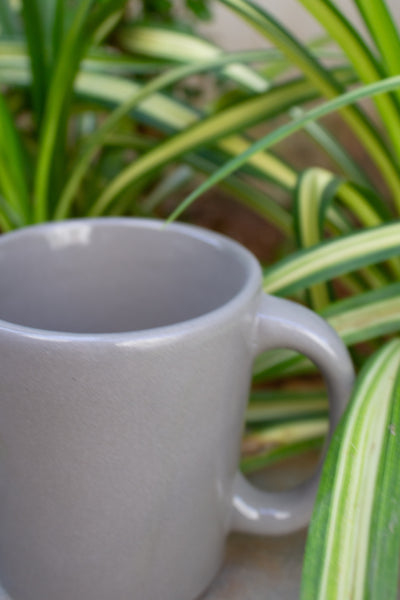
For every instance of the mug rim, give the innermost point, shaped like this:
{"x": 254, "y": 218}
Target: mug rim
{"x": 250, "y": 288}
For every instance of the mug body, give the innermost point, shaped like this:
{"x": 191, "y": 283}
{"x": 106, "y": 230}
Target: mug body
{"x": 126, "y": 358}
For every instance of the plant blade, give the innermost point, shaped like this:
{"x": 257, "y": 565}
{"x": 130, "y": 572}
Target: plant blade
{"x": 384, "y": 544}
{"x": 287, "y": 129}
{"x": 329, "y": 86}
{"x": 334, "y": 150}
{"x": 349, "y": 505}
{"x": 309, "y": 219}
{"x": 364, "y": 62}
{"x": 382, "y": 27}
{"x": 214, "y": 128}
{"x": 97, "y": 139}
{"x": 163, "y": 42}
{"x": 361, "y": 318}
{"x": 37, "y": 54}
{"x": 13, "y": 180}
{"x": 55, "y": 119}
{"x": 332, "y": 258}
{"x": 8, "y": 24}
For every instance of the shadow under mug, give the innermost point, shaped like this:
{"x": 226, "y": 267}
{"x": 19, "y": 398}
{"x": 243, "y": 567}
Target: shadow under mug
{"x": 126, "y": 359}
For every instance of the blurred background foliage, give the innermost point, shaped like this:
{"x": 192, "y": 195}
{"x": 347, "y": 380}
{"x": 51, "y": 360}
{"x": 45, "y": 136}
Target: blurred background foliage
{"x": 293, "y": 148}
{"x": 166, "y": 10}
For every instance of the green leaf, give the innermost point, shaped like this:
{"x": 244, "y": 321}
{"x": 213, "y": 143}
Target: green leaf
{"x": 284, "y": 131}
{"x": 250, "y": 464}
{"x": 381, "y": 25}
{"x": 168, "y": 43}
{"x": 35, "y": 36}
{"x": 314, "y": 191}
{"x": 248, "y": 195}
{"x": 384, "y": 546}
{"x": 52, "y": 142}
{"x": 8, "y": 22}
{"x": 355, "y": 525}
{"x": 340, "y": 29}
{"x": 87, "y": 20}
{"x": 162, "y": 111}
{"x": 200, "y": 8}
{"x": 280, "y": 363}
{"x": 57, "y": 29}
{"x": 209, "y": 130}
{"x": 104, "y": 17}
{"x": 369, "y": 210}
{"x": 358, "y": 319}
{"x": 157, "y": 9}
{"x": 366, "y": 316}
{"x": 98, "y": 138}
{"x": 322, "y": 78}
{"x": 259, "y": 447}
{"x": 280, "y": 405}
{"x": 332, "y": 258}
{"x": 334, "y": 150}
{"x": 13, "y": 177}
{"x": 100, "y": 16}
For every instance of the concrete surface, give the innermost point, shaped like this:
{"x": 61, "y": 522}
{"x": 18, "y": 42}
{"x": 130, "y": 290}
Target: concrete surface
{"x": 259, "y": 568}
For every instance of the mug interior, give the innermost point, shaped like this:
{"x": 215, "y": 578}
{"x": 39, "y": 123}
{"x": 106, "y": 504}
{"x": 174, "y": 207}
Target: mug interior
{"x": 115, "y": 275}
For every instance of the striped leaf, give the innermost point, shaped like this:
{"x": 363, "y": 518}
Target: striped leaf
{"x": 98, "y": 138}
{"x": 180, "y": 46}
{"x": 208, "y": 130}
{"x": 278, "y": 441}
{"x": 366, "y": 316}
{"x": 314, "y": 191}
{"x": 162, "y": 111}
{"x": 286, "y": 130}
{"x": 279, "y": 405}
{"x": 97, "y": 60}
{"x": 361, "y": 318}
{"x": 365, "y": 205}
{"x": 354, "y": 539}
{"x": 299, "y": 55}
{"x": 314, "y": 208}
{"x": 278, "y": 453}
{"x": 332, "y": 258}
{"x": 381, "y": 25}
{"x": 364, "y": 62}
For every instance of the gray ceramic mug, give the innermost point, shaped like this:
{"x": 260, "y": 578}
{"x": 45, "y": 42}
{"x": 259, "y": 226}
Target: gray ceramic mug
{"x": 126, "y": 358}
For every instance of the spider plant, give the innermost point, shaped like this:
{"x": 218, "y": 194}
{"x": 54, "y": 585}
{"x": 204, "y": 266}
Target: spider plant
{"x": 163, "y": 10}
{"x": 347, "y": 268}
{"x": 354, "y": 539}
{"x": 95, "y": 119}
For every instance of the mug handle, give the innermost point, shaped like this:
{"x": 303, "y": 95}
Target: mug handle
{"x": 284, "y": 324}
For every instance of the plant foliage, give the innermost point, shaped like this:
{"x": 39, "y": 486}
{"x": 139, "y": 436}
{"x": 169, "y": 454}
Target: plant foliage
{"x": 102, "y": 113}
{"x": 163, "y": 10}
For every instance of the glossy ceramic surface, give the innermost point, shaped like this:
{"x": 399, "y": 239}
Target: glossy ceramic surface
{"x": 126, "y": 357}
